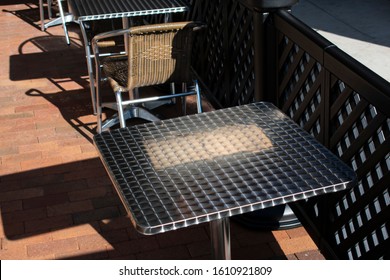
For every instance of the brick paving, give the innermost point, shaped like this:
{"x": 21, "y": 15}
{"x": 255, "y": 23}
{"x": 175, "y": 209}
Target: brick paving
{"x": 56, "y": 199}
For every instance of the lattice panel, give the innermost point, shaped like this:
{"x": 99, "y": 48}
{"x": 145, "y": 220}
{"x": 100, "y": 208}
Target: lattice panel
{"x": 355, "y": 224}
{"x": 242, "y": 54}
{"x": 227, "y": 52}
{"x": 362, "y": 133}
{"x": 211, "y": 48}
{"x": 300, "y": 88}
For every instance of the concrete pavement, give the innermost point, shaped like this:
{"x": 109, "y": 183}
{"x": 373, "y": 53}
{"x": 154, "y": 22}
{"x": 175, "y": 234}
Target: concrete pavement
{"x": 360, "y": 28}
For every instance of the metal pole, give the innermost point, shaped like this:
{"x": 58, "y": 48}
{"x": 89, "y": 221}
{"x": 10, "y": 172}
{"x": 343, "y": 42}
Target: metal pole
{"x": 89, "y": 58}
{"x": 261, "y": 10}
{"x": 220, "y": 239}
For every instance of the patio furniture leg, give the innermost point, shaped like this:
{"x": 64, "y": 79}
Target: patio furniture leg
{"x": 220, "y": 239}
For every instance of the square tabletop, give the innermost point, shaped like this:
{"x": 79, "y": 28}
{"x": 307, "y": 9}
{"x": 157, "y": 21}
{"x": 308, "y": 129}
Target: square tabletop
{"x": 198, "y": 168}
{"x": 84, "y": 10}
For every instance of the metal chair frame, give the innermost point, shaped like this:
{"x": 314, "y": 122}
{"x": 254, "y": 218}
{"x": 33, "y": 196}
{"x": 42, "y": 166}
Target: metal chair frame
{"x": 62, "y": 19}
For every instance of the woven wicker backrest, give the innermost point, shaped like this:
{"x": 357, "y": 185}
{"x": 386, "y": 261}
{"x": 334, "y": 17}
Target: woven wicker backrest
{"x": 160, "y": 53}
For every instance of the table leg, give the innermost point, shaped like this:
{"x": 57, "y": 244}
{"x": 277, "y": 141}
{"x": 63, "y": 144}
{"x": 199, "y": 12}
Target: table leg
{"x": 62, "y": 17}
{"x": 220, "y": 239}
{"x": 42, "y": 15}
{"x": 89, "y": 57}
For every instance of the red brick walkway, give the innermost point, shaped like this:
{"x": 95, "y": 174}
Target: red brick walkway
{"x": 56, "y": 199}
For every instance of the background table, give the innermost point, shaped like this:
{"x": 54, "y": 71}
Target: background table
{"x": 85, "y": 11}
{"x": 207, "y": 167}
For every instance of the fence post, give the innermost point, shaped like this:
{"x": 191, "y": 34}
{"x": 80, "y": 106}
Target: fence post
{"x": 261, "y": 9}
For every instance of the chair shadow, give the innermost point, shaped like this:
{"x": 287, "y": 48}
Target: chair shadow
{"x": 75, "y": 107}
{"x": 47, "y": 57}
{"x": 51, "y": 59}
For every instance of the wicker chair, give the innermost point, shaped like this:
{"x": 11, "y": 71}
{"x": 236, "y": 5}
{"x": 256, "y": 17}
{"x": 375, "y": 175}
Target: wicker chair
{"x": 156, "y": 54}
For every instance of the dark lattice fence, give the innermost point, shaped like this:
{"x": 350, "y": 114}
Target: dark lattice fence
{"x": 339, "y": 101}
{"x": 347, "y": 108}
{"x": 226, "y": 51}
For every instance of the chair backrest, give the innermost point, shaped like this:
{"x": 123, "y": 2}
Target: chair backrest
{"x": 160, "y": 53}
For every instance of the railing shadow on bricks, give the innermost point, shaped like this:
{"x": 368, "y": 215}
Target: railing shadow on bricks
{"x": 251, "y": 54}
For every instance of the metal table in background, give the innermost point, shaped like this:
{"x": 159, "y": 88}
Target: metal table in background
{"x": 207, "y": 167}
{"x": 85, "y": 11}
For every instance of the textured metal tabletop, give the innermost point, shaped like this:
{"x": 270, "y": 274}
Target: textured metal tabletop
{"x": 84, "y": 10}
{"x": 184, "y": 171}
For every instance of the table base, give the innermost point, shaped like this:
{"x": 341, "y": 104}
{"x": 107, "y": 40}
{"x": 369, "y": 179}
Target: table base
{"x": 220, "y": 239}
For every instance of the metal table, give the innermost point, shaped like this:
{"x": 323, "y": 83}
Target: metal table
{"x": 207, "y": 167}
{"x": 84, "y": 11}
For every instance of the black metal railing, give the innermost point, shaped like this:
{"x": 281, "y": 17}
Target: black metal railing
{"x": 249, "y": 53}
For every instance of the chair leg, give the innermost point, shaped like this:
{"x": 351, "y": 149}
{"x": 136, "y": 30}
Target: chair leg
{"x": 99, "y": 119}
{"x": 63, "y": 21}
{"x": 172, "y": 88}
{"x": 134, "y": 94}
{"x": 97, "y": 104}
{"x": 49, "y": 3}
{"x": 42, "y": 15}
{"x": 184, "y": 100}
{"x": 173, "y": 91}
{"x": 118, "y": 96}
{"x": 198, "y": 97}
